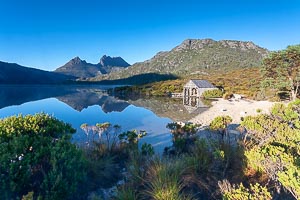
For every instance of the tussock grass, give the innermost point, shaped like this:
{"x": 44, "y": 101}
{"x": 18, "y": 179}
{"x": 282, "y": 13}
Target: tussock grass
{"x": 163, "y": 179}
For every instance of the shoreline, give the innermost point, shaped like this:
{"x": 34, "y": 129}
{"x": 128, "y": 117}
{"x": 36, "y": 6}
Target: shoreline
{"x": 235, "y": 109}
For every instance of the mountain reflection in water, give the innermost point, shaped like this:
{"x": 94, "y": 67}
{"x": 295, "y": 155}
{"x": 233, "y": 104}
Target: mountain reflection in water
{"x": 81, "y": 97}
{"x": 92, "y": 104}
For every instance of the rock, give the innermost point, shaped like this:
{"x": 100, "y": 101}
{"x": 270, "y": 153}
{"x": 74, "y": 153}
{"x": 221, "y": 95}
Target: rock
{"x": 235, "y": 132}
{"x": 237, "y": 96}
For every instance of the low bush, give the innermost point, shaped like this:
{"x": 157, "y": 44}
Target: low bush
{"x": 220, "y": 124}
{"x": 216, "y": 93}
{"x": 272, "y": 146}
{"x": 239, "y": 192}
{"x": 183, "y": 135}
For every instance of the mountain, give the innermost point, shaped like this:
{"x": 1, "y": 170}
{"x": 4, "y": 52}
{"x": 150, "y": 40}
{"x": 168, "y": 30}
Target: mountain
{"x": 194, "y": 56}
{"x": 11, "y": 73}
{"x": 106, "y": 61}
{"x": 81, "y": 69}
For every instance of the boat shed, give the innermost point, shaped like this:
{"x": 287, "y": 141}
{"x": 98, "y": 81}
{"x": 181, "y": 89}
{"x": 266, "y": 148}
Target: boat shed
{"x": 195, "y": 88}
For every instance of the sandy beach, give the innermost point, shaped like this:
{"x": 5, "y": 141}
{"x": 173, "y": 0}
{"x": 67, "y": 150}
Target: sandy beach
{"x": 235, "y": 109}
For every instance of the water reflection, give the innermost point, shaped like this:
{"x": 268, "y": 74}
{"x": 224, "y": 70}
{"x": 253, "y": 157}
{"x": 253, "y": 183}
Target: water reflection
{"x": 77, "y": 97}
{"x": 85, "y": 104}
{"x": 92, "y": 104}
{"x": 82, "y": 97}
{"x": 195, "y": 104}
{"x": 18, "y": 94}
{"x": 171, "y": 108}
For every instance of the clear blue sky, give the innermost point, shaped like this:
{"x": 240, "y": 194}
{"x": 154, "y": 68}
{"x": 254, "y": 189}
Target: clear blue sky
{"x": 46, "y": 34}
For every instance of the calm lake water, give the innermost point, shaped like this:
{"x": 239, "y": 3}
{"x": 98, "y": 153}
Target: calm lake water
{"x": 91, "y": 104}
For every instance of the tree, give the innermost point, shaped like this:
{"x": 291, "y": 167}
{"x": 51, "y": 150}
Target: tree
{"x": 283, "y": 69}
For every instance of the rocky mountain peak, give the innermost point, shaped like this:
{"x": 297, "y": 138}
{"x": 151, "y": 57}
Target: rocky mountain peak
{"x": 239, "y": 44}
{"x": 76, "y": 61}
{"x": 197, "y": 44}
{"x": 104, "y": 59}
{"x": 82, "y": 69}
{"x": 113, "y": 61}
{"x": 194, "y": 44}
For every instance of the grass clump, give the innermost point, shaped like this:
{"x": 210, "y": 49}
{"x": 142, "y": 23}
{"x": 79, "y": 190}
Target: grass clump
{"x": 164, "y": 179}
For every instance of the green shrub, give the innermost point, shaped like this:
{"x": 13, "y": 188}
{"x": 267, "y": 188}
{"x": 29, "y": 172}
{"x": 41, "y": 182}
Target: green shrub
{"x": 272, "y": 141}
{"x": 240, "y": 192}
{"x": 132, "y": 137}
{"x": 220, "y": 124}
{"x": 182, "y": 130}
{"x": 183, "y": 134}
{"x": 216, "y": 93}
{"x": 37, "y": 158}
{"x": 147, "y": 150}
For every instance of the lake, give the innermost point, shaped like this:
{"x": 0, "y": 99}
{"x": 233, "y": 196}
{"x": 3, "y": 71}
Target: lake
{"x": 92, "y": 104}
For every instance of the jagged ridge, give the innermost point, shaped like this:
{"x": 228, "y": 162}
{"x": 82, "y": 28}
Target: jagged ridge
{"x": 81, "y": 69}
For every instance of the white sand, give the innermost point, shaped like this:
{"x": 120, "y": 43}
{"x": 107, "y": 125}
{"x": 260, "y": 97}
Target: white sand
{"x": 235, "y": 109}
